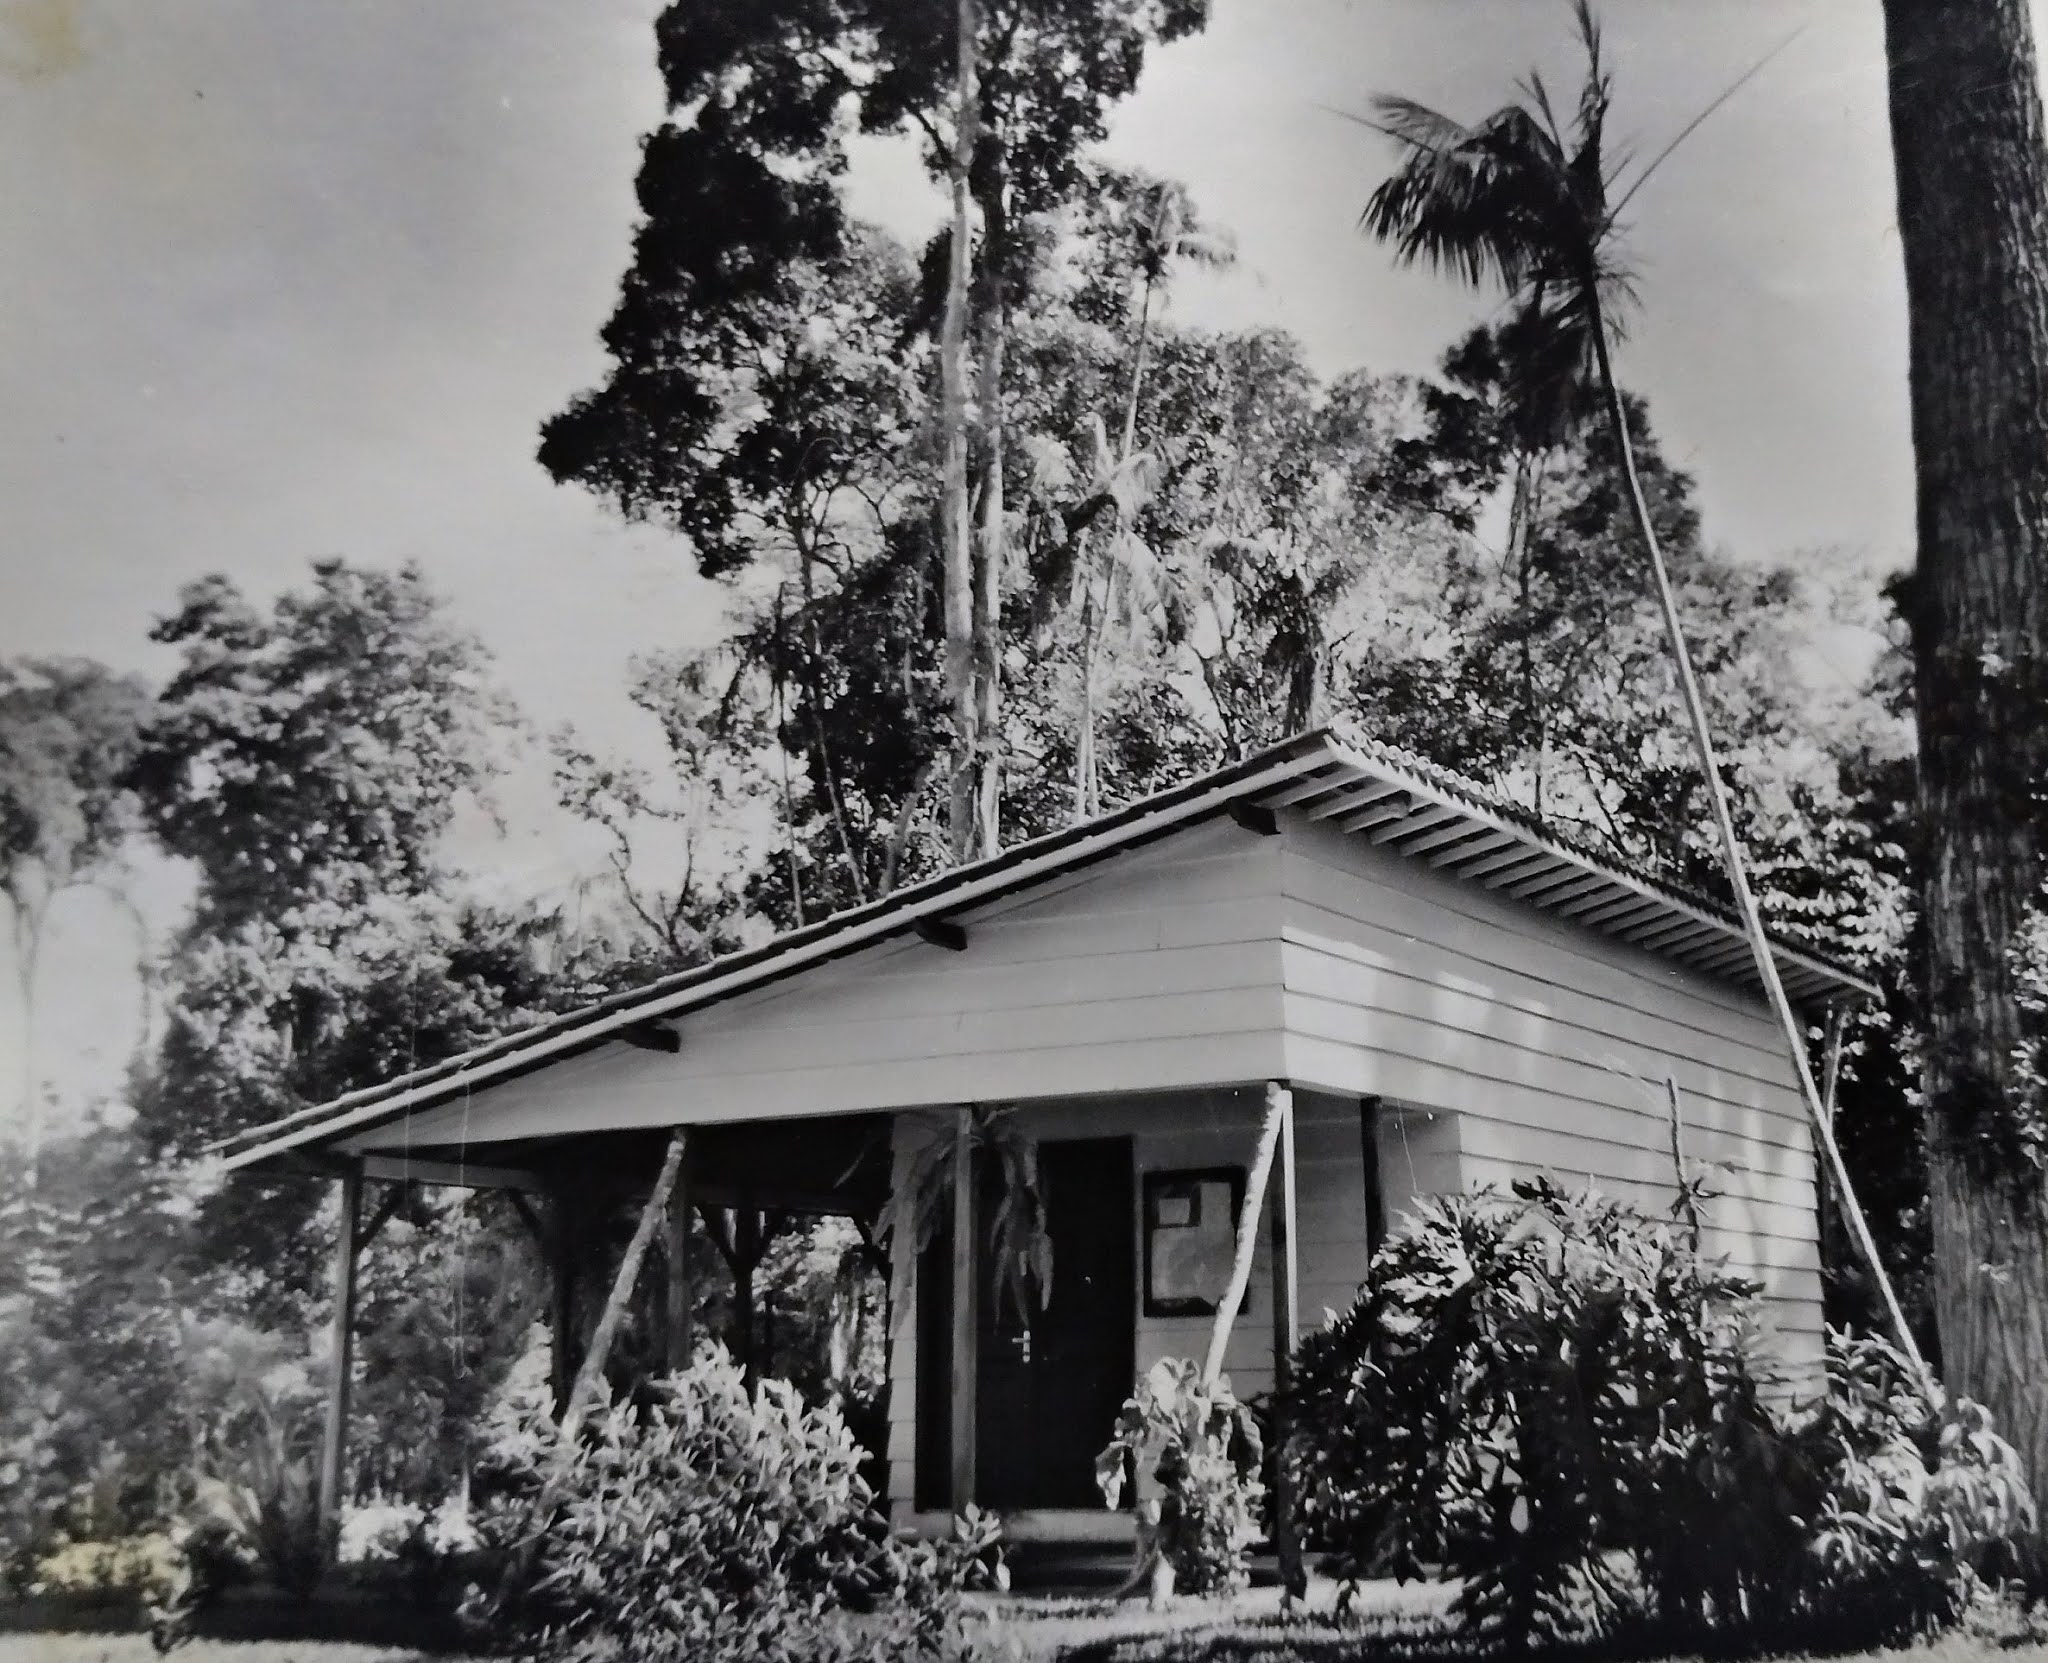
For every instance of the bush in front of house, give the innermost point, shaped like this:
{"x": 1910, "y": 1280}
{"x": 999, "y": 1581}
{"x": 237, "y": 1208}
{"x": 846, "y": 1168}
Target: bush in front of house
{"x": 254, "y": 1511}
{"x": 1200, "y": 1447}
{"x": 1915, "y": 1499}
{"x": 1559, "y": 1402}
{"x": 709, "y": 1524}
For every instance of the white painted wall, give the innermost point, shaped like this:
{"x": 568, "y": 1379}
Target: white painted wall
{"x": 1543, "y": 1047}
{"x": 1158, "y": 969}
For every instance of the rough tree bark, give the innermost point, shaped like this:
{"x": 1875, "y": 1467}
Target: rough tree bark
{"x": 1972, "y": 180}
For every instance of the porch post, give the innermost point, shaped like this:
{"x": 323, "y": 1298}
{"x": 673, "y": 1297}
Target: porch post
{"x": 561, "y": 1296}
{"x": 678, "y": 1342}
{"x": 1286, "y": 1335}
{"x": 590, "y": 1372}
{"x": 334, "y": 1439}
{"x": 1375, "y": 1194}
{"x": 746, "y": 1253}
{"x": 966, "y": 1312}
{"x": 1831, "y": 1074}
{"x": 1278, "y": 1102}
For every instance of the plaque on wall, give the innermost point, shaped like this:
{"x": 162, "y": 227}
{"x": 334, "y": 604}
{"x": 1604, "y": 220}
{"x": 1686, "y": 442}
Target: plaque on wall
{"x": 1190, "y": 1238}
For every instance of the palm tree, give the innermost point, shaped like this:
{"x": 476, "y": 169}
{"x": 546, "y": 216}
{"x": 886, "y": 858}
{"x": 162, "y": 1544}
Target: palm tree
{"x": 1528, "y": 201}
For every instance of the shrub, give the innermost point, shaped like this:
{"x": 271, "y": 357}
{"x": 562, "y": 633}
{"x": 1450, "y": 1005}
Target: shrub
{"x": 1915, "y": 1501}
{"x": 212, "y": 1551}
{"x": 710, "y": 1525}
{"x": 127, "y": 1567}
{"x": 1555, "y": 1400}
{"x": 416, "y": 1553}
{"x": 255, "y": 1504}
{"x": 1204, "y": 1451}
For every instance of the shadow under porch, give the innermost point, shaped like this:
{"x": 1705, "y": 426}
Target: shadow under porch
{"x": 722, "y": 1264}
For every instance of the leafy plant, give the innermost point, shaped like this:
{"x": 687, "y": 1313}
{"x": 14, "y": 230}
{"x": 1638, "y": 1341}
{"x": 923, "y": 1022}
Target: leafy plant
{"x": 1204, "y": 1454}
{"x": 711, "y": 1525}
{"x": 921, "y": 1200}
{"x": 255, "y": 1504}
{"x": 1919, "y": 1500}
{"x": 1555, "y": 1400}
{"x": 212, "y": 1553}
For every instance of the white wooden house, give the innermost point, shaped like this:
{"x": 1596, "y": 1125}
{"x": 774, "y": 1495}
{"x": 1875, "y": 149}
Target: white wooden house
{"x": 1446, "y": 993}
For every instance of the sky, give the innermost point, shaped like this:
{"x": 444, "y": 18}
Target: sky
{"x": 290, "y": 278}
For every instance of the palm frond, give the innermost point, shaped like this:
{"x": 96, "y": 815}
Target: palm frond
{"x": 1488, "y": 205}
{"x": 1748, "y": 75}
{"x": 1416, "y": 125}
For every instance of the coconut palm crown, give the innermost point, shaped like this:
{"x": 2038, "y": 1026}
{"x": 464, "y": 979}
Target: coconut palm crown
{"x": 1525, "y": 200}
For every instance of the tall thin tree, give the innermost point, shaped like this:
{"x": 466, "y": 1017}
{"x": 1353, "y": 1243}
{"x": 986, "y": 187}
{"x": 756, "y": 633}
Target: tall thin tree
{"x": 955, "y": 509}
{"x": 1526, "y": 199}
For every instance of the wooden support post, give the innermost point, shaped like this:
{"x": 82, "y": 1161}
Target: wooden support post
{"x": 334, "y": 1439}
{"x": 519, "y": 1563}
{"x": 1831, "y": 1073}
{"x": 678, "y": 1341}
{"x": 1278, "y": 1099}
{"x": 380, "y": 1215}
{"x": 746, "y": 1253}
{"x": 562, "y": 1262}
{"x": 966, "y": 1313}
{"x": 1375, "y": 1189}
{"x": 1286, "y": 1335}
{"x": 592, "y": 1369}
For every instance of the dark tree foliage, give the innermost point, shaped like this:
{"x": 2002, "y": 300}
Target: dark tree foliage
{"x": 740, "y": 193}
{"x": 307, "y": 761}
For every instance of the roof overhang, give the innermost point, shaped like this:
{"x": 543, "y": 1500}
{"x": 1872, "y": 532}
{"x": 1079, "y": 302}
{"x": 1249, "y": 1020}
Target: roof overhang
{"x": 1389, "y": 798}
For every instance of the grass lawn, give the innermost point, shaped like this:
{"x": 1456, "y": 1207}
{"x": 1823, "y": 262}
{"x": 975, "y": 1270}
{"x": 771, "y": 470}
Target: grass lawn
{"x": 134, "y": 1648}
{"x": 1251, "y": 1629}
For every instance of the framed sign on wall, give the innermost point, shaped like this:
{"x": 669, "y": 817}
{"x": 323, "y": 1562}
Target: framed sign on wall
{"x": 1190, "y": 1221}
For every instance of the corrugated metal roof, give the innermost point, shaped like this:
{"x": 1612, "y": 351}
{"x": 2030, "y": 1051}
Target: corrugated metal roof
{"x": 1390, "y": 797}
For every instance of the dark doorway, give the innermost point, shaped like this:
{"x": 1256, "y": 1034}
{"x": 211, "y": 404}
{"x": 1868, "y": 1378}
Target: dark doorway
{"x": 1048, "y": 1392}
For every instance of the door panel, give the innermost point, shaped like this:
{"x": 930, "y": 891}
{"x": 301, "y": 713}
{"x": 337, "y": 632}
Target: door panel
{"x": 1047, "y": 1393}
{"x": 1050, "y": 1392}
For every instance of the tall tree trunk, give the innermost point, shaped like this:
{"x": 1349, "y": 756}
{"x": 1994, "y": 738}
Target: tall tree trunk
{"x": 813, "y": 653}
{"x": 1731, "y": 848}
{"x": 988, "y": 590}
{"x": 28, "y": 942}
{"x": 1130, "y": 432}
{"x": 991, "y": 306}
{"x": 1967, "y": 143}
{"x": 1519, "y": 506}
{"x": 956, "y": 524}
{"x": 1084, "y": 730}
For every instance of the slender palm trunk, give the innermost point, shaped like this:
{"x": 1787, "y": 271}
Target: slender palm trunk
{"x": 1731, "y": 855}
{"x": 956, "y": 524}
{"x": 1520, "y": 508}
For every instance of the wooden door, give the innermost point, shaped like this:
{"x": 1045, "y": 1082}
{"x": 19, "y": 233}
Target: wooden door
{"x": 1047, "y": 1392}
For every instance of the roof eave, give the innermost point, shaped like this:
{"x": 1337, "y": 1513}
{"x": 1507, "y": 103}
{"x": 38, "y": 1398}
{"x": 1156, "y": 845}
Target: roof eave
{"x": 296, "y": 1142}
